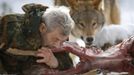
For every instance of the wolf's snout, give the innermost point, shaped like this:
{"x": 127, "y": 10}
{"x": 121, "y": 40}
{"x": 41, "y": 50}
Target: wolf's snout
{"x": 89, "y": 39}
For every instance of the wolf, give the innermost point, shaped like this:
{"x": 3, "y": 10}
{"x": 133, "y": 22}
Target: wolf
{"x": 90, "y": 16}
{"x": 87, "y": 15}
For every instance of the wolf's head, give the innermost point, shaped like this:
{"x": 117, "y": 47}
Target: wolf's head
{"x": 88, "y": 18}
{"x": 87, "y": 15}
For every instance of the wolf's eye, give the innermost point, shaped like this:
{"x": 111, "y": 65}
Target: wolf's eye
{"x": 81, "y": 25}
{"x": 94, "y": 24}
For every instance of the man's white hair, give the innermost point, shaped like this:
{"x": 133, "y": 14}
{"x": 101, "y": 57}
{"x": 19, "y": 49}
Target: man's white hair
{"x": 58, "y": 17}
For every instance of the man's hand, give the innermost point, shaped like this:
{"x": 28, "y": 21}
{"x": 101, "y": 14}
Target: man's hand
{"x": 47, "y": 57}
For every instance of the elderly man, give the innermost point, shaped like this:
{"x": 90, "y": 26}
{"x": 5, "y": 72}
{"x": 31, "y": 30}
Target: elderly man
{"x": 20, "y": 42}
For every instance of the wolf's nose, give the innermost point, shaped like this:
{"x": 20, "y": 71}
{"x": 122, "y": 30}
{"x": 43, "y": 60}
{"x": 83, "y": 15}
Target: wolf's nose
{"x": 89, "y": 39}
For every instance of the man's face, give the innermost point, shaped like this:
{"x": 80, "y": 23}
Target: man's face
{"x": 55, "y": 38}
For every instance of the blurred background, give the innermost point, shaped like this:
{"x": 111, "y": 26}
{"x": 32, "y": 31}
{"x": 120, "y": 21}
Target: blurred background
{"x": 127, "y": 11}
{"x": 14, "y": 6}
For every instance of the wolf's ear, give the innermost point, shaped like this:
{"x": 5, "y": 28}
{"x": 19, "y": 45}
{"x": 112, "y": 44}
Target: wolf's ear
{"x": 96, "y": 4}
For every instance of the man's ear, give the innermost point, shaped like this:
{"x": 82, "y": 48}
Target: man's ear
{"x": 42, "y": 27}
